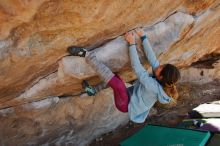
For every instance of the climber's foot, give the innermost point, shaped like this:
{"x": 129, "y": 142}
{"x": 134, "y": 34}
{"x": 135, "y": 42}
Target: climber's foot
{"x": 77, "y": 51}
{"x": 88, "y": 89}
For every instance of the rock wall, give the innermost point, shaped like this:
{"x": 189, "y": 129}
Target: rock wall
{"x": 35, "y": 68}
{"x": 55, "y": 121}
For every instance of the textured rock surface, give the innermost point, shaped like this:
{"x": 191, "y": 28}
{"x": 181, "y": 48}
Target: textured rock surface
{"x": 54, "y": 121}
{"x": 201, "y": 75}
{"x": 32, "y": 47}
{"x": 34, "y": 64}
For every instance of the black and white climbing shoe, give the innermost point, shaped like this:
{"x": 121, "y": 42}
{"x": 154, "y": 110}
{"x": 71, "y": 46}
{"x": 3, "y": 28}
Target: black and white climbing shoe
{"x": 88, "y": 89}
{"x": 77, "y": 51}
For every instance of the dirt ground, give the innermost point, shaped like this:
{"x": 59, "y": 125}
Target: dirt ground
{"x": 191, "y": 95}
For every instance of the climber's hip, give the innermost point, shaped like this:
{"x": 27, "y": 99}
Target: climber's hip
{"x": 121, "y": 96}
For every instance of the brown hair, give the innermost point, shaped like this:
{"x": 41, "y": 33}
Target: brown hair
{"x": 170, "y": 75}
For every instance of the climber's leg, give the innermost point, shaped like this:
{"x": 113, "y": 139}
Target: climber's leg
{"x": 103, "y": 71}
{"x": 118, "y": 86}
{"x": 120, "y": 93}
{"x": 90, "y": 90}
{"x": 78, "y": 51}
{"x": 100, "y": 86}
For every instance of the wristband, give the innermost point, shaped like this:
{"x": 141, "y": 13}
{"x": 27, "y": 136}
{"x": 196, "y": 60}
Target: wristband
{"x": 132, "y": 44}
{"x": 143, "y": 38}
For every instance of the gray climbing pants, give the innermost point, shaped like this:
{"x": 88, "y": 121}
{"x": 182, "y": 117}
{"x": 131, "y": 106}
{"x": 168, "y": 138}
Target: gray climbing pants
{"x": 115, "y": 82}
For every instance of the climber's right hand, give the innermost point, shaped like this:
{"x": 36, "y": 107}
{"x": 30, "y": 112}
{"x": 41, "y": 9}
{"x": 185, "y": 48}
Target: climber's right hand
{"x": 129, "y": 37}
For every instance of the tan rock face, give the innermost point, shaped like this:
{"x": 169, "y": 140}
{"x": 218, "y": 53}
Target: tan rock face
{"x": 40, "y": 32}
{"x": 34, "y": 35}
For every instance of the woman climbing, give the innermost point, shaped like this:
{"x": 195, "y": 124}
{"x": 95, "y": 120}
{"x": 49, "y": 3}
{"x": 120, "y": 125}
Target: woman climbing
{"x": 139, "y": 98}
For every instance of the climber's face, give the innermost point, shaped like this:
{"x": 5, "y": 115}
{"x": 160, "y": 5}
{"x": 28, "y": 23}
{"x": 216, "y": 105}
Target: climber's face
{"x": 157, "y": 72}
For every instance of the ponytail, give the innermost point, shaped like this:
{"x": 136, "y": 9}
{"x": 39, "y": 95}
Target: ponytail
{"x": 171, "y": 91}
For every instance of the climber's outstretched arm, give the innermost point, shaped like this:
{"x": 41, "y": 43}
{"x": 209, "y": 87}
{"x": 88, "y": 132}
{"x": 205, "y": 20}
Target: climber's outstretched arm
{"x": 148, "y": 49}
{"x": 140, "y": 71}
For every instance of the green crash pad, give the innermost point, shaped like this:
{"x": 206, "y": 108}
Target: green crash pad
{"x": 152, "y": 135}
{"x": 215, "y": 140}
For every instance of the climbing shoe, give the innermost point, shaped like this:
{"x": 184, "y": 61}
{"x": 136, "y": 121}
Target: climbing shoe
{"x": 88, "y": 89}
{"x": 77, "y": 51}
